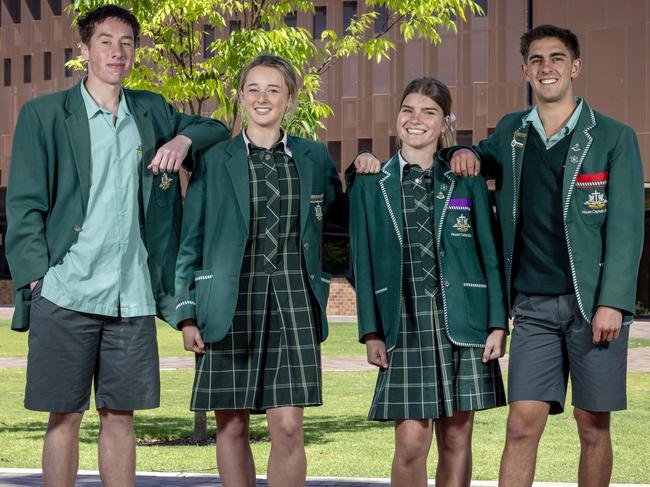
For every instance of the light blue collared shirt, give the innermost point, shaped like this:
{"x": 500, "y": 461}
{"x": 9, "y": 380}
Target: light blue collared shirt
{"x": 533, "y": 117}
{"x": 105, "y": 271}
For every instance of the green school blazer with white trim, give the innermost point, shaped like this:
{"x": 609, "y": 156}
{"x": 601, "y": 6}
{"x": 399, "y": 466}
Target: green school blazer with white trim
{"x": 603, "y": 205}
{"x": 49, "y": 183}
{"x": 469, "y": 270}
{"x": 216, "y": 220}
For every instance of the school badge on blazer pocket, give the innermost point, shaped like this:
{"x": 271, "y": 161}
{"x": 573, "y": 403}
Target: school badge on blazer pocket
{"x": 317, "y": 200}
{"x": 459, "y": 223}
{"x": 166, "y": 189}
{"x": 592, "y": 196}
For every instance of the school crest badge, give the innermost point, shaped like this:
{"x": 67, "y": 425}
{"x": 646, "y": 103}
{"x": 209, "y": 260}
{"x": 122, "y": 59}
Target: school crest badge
{"x": 462, "y": 224}
{"x": 165, "y": 181}
{"x": 596, "y": 201}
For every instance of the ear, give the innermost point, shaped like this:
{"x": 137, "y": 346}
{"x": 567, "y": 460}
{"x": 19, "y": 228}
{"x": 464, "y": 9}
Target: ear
{"x": 84, "y": 51}
{"x": 446, "y": 124}
{"x": 576, "y": 68}
{"x": 524, "y": 71}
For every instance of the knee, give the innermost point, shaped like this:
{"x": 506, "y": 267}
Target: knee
{"x": 523, "y": 427}
{"x": 592, "y": 427}
{"x": 288, "y": 430}
{"x": 413, "y": 449}
{"x": 455, "y": 441}
{"x": 116, "y": 421}
{"x": 65, "y": 421}
{"x": 233, "y": 427}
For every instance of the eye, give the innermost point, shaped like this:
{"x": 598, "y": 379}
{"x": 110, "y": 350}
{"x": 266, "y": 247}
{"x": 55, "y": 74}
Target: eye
{"x": 405, "y": 110}
{"x": 253, "y": 90}
{"x": 273, "y": 91}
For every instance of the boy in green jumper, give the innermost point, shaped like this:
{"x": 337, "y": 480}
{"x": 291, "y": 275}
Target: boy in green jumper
{"x": 570, "y": 202}
{"x": 94, "y": 210}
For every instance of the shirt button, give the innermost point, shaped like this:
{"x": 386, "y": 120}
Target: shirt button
{"x": 267, "y": 157}
{"x": 446, "y": 283}
{"x": 306, "y": 245}
{"x": 77, "y": 228}
{"x": 442, "y": 253}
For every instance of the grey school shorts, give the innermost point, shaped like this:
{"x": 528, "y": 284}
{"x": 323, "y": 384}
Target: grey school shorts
{"x": 550, "y": 342}
{"x": 69, "y": 350}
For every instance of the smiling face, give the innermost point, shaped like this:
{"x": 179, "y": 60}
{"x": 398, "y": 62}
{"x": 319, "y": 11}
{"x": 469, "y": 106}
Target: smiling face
{"x": 420, "y": 122}
{"x": 550, "y": 70}
{"x": 265, "y": 97}
{"x": 110, "y": 52}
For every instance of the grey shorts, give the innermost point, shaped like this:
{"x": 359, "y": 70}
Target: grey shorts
{"x": 551, "y": 341}
{"x": 68, "y": 350}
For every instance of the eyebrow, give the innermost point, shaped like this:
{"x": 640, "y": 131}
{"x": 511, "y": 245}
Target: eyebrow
{"x": 404, "y": 105}
{"x": 111, "y": 36}
{"x": 553, "y": 54}
{"x": 269, "y": 85}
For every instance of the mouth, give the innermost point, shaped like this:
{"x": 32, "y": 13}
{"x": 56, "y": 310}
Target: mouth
{"x": 116, "y": 66}
{"x": 548, "y": 81}
{"x": 262, "y": 110}
{"x": 412, "y": 131}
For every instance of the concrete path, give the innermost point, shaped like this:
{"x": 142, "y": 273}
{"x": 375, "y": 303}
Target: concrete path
{"x": 32, "y": 478}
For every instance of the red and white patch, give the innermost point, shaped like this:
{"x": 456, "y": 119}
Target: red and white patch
{"x": 593, "y": 180}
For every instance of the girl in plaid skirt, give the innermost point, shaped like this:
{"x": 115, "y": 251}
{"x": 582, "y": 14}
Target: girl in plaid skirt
{"x": 251, "y": 293}
{"x": 429, "y": 293}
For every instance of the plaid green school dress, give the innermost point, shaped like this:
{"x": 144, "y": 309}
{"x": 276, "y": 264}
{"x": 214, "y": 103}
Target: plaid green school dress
{"x": 271, "y": 355}
{"x": 428, "y": 377}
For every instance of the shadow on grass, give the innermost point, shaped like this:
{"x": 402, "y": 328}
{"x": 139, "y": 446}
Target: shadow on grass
{"x": 174, "y": 430}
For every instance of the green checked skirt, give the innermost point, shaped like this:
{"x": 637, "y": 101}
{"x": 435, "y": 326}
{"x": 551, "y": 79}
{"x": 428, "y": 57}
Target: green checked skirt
{"x": 271, "y": 356}
{"x": 428, "y": 377}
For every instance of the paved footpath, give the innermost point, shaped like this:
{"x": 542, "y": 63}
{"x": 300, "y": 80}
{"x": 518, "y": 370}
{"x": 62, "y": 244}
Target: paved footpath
{"x": 32, "y": 478}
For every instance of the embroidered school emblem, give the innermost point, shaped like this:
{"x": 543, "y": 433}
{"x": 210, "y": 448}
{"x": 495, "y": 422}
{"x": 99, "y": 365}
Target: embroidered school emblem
{"x": 319, "y": 212}
{"x": 596, "y": 201}
{"x": 576, "y": 148}
{"x": 165, "y": 182}
{"x": 138, "y": 152}
{"x": 462, "y": 224}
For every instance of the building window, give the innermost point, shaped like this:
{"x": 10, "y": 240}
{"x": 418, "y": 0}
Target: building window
{"x": 233, "y": 26}
{"x": 291, "y": 19}
{"x": 27, "y": 69}
{"x": 484, "y": 5}
{"x": 55, "y": 5}
{"x": 67, "y": 55}
{"x": 7, "y": 70}
{"x": 13, "y": 7}
{"x": 349, "y": 13}
{"x": 464, "y": 137}
{"x": 381, "y": 21}
{"x": 47, "y": 66}
{"x": 34, "y": 8}
{"x": 393, "y": 144}
{"x": 364, "y": 145}
{"x": 208, "y": 38}
{"x": 334, "y": 148}
{"x": 320, "y": 21}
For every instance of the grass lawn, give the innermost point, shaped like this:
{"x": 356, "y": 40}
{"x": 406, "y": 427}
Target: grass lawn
{"x": 342, "y": 340}
{"x": 339, "y": 440}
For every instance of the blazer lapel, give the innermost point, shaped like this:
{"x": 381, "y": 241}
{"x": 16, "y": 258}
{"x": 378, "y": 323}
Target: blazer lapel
{"x": 236, "y": 163}
{"x": 443, "y": 187}
{"x": 305, "y": 168}
{"x": 518, "y": 145}
{"x": 147, "y": 144}
{"x": 78, "y": 130}
{"x": 390, "y": 185}
{"x": 581, "y": 141}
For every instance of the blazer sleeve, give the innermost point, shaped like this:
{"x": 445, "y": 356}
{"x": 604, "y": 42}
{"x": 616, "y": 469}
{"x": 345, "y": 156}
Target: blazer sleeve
{"x": 624, "y": 224}
{"x": 27, "y": 201}
{"x": 203, "y": 131}
{"x": 190, "y": 253}
{"x": 335, "y": 200}
{"x": 485, "y": 224}
{"x": 367, "y": 312}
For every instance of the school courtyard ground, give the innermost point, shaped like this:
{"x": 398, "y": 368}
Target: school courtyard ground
{"x": 344, "y": 363}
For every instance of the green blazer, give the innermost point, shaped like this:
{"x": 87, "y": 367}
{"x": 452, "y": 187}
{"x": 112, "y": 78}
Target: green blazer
{"x": 216, "y": 222}
{"x": 468, "y": 265}
{"x": 604, "y": 232}
{"x": 49, "y": 183}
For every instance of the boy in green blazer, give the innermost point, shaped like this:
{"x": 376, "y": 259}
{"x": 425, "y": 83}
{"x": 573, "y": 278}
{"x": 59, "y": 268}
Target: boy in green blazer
{"x": 571, "y": 206}
{"x": 92, "y": 239}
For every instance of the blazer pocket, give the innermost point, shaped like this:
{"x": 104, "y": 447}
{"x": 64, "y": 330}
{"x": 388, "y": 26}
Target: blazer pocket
{"x": 166, "y": 188}
{"x": 591, "y": 197}
{"x": 202, "y": 289}
{"x": 476, "y": 302}
{"x": 460, "y": 228}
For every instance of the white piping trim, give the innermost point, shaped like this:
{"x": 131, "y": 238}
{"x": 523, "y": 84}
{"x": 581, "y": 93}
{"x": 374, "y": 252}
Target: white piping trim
{"x": 203, "y": 278}
{"x": 461, "y": 208}
{"x": 326, "y": 281}
{"x": 475, "y": 284}
{"x": 382, "y": 290}
{"x": 593, "y": 184}
{"x": 185, "y": 303}
{"x": 566, "y": 212}
{"x": 390, "y": 209}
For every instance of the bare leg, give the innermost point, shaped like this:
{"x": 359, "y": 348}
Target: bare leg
{"x": 454, "y": 439}
{"x": 116, "y": 448}
{"x": 234, "y": 456}
{"x": 61, "y": 450}
{"x": 412, "y": 445}
{"x": 596, "y": 456}
{"x": 287, "y": 462}
{"x": 526, "y": 422}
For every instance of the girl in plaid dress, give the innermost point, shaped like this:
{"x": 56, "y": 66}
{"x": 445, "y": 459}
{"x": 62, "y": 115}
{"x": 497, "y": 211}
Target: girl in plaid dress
{"x": 429, "y": 293}
{"x": 251, "y": 293}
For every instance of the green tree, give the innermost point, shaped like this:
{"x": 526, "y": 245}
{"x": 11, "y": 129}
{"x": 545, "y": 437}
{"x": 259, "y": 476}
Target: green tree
{"x": 170, "y": 59}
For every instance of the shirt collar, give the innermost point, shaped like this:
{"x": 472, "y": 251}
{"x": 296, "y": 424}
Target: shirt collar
{"x": 402, "y": 164}
{"x": 284, "y": 139}
{"x": 533, "y": 118}
{"x": 92, "y": 108}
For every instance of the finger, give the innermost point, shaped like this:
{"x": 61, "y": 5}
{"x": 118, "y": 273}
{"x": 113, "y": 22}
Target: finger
{"x": 178, "y": 163}
{"x": 596, "y": 336}
{"x": 487, "y": 352}
{"x": 610, "y": 335}
{"x": 164, "y": 162}
{"x": 617, "y": 332}
{"x": 155, "y": 163}
{"x": 496, "y": 353}
{"x": 464, "y": 168}
{"x": 383, "y": 359}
